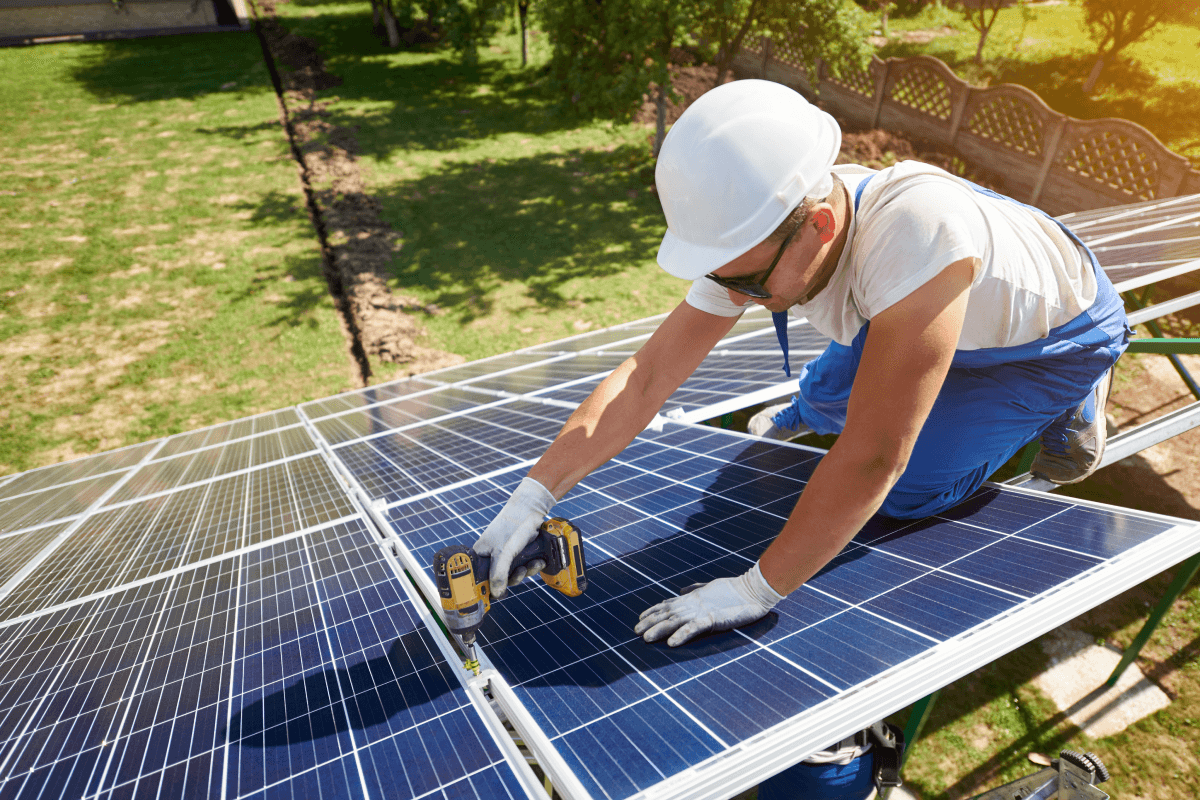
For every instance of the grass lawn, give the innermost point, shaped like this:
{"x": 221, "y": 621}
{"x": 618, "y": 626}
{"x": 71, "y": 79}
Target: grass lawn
{"x": 1155, "y": 83}
{"x": 160, "y": 272}
{"x": 519, "y": 225}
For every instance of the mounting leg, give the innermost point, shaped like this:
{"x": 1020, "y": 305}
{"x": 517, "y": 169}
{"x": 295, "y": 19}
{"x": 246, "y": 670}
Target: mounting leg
{"x": 1187, "y": 571}
{"x": 916, "y": 722}
{"x": 917, "y": 718}
{"x": 1140, "y": 302}
{"x": 1028, "y": 453}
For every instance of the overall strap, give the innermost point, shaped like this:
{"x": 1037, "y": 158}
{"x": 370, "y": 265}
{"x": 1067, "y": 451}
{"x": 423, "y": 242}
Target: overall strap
{"x": 780, "y": 318}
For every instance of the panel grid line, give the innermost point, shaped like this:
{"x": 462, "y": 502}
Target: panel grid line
{"x": 49, "y": 549}
{"x": 240, "y": 551}
{"x": 215, "y": 478}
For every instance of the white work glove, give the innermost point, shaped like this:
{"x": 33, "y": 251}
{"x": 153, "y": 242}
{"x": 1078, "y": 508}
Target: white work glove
{"x": 513, "y": 528}
{"x": 721, "y": 605}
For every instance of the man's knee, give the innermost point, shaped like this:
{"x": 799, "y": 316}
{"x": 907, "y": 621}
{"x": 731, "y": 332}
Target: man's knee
{"x": 924, "y": 496}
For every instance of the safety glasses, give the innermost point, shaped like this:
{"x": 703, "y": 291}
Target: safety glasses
{"x": 753, "y": 285}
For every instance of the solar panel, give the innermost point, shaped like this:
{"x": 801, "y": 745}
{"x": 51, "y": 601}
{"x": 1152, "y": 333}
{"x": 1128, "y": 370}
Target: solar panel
{"x": 348, "y": 401}
{"x": 1142, "y": 243}
{"x": 632, "y": 334}
{"x": 437, "y": 455}
{"x": 302, "y": 667}
{"x": 74, "y": 471}
{"x": 903, "y": 610}
{"x": 240, "y": 634}
{"x": 432, "y": 404}
{"x": 228, "y": 432}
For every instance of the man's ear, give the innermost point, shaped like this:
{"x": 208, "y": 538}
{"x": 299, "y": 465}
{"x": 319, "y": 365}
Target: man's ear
{"x": 826, "y": 224}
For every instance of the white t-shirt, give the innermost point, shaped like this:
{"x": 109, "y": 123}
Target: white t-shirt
{"x": 913, "y": 221}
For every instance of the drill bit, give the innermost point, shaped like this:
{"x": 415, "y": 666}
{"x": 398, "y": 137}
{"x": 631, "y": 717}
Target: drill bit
{"x": 468, "y": 647}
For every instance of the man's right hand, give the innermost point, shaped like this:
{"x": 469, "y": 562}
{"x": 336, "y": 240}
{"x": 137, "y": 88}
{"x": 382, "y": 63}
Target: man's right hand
{"x": 513, "y": 528}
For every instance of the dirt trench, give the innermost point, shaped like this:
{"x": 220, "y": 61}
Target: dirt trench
{"x": 357, "y": 244}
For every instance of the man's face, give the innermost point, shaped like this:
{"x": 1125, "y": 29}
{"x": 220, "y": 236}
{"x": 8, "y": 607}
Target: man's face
{"x": 777, "y": 271}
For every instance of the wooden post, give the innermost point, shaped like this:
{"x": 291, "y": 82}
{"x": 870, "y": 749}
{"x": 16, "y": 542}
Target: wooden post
{"x": 766, "y": 59}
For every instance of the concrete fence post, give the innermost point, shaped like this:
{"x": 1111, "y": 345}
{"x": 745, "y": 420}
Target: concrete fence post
{"x": 882, "y": 69}
{"x": 1052, "y": 143}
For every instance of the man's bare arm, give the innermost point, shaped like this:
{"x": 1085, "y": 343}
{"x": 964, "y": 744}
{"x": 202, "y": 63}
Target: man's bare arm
{"x": 624, "y": 403}
{"x": 904, "y": 363}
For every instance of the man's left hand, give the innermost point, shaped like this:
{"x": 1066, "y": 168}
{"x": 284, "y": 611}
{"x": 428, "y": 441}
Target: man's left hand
{"x": 722, "y": 605}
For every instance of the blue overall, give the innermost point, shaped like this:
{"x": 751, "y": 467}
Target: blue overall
{"x": 993, "y": 401}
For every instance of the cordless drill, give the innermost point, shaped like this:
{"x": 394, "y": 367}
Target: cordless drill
{"x": 462, "y": 578}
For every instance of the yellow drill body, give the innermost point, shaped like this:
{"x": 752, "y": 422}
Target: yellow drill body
{"x": 462, "y": 578}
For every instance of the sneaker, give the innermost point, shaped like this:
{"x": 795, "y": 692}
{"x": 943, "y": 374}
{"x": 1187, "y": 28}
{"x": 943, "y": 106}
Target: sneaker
{"x": 1074, "y": 444}
{"x": 763, "y": 425}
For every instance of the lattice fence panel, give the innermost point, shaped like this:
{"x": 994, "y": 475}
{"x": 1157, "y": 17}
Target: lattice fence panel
{"x": 859, "y": 82}
{"x": 1009, "y": 122}
{"x": 1116, "y": 160}
{"x": 787, "y": 53}
{"x": 923, "y": 90}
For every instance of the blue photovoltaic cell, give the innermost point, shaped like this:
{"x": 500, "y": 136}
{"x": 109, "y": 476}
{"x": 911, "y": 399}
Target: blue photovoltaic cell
{"x": 405, "y": 412}
{"x": 301, "y": 668}
{"x": 490, "y": 366}
{"x": 336, "y": 668}
{"x": 692, "y": 504}
{"x": 399, "y": 465}
{"x": 365, "y": 397}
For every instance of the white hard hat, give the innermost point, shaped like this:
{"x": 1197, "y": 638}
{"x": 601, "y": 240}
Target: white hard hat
{"x": 734, "y": 166}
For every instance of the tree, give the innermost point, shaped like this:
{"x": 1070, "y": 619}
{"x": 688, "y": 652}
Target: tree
{"x": 523, "y": 13}
{"x": 884, "y": 7}
{"x": 981, "y": 15}
{"x": 827, "y": 29}
{"x": 607, "y": 54}
{"x": 602, "y": 53}
{"x": 1116, "y": 24}
{"x": 465, "y": 24}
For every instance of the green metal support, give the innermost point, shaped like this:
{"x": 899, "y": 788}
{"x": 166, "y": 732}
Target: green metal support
{"x": 917, "y": 718}
{"x": 1162, "y": 345}
{"x": 1167, "y": 347}
{"x": 1028, "y": 452}
{"x": 916, "y": 722}
{"x": 1187, "y": 571}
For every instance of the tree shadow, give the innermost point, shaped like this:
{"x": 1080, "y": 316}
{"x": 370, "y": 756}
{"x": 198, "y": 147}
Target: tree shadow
{"x": 543, "y": 219}
{"x": 437, "y": 103}
{"x": 171, "y": 67}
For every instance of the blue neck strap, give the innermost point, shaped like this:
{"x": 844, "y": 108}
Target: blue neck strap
{"x": 780, "y": 318}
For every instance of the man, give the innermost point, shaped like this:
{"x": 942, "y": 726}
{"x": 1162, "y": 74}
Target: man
{"x": 964, "y": 325}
